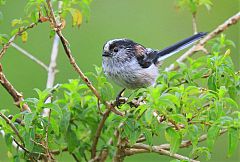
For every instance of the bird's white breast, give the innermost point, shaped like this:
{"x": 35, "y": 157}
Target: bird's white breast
{"x": 130, "y": 74}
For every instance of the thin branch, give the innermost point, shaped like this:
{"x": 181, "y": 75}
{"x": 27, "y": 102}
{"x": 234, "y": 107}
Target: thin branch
{"x": 75, "y": 157}
{"x": 30, "y": 56}
{"x": 56, "y": 152}
{"x": 200, "y": 45}
{"x": 98, "y": 132}
{"x": 186, "y": 143}
{"x": 8, "y": 121}
{"x": 17, "y": 97}
{"x": 147, "y": 148}
{"x": 49, "y": 157}
{"x": 54, "y": 55}
{"x": 52, "y": 65}
{"x": 65, "y": 44}
{"x": 7, "y": 45}
{"x": 68, "y": 52}
{"x": 119, "y": 155}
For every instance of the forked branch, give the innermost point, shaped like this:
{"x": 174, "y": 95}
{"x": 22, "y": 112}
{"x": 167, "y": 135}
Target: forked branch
{"x": 57, "y": 28}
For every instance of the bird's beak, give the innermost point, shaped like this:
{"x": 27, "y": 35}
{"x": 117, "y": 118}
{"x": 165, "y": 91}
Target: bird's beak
{"x": 106, "y": 54}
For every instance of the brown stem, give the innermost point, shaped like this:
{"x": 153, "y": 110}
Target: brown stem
{"x": 98, "y": 132}
{"x": 68, "y": 52}
{"x": 7, "y": 45}
{"x": 8, "y": 121}
{"x": 186, "y": 143}
{"x": 146, "y": 148}
{"x": 17, "y": 97}
{"x": 199, "y": 46}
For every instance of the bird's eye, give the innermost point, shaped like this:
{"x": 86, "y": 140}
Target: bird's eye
{"x": 115, "y": 49}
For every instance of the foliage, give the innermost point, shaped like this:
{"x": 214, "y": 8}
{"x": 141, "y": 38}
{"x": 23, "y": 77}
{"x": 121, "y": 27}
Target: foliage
{"x": 193, "y": 5}
{"x": 36, "y": 11}
{"x": 201, "y": 98}
{"x": 182, "y": 98}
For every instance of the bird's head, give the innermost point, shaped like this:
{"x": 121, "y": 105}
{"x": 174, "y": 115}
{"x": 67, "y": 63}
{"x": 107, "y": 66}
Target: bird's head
{"x": 121, "y": 49}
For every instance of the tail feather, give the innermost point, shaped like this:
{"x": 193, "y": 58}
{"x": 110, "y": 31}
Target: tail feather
{"x": 169, "y": 51}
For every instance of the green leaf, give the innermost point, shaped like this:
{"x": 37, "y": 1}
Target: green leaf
{"x": 16, "y": 158}
{"x": 149, "y": 137}
{"x": 170, "y": 98}
{"x": 8, "y": 139}
{"x": 16, "y": 22}
{"x": 65, "y": 121}
{"x": 233, "y": 93}
{"x": 28, "y": 135}
{"x": 149, "y": 116}
{"x": 193, "y": 133}
{"x": 51, "y": 34}
{"x": 201, "y": 150}
{"x": 230, "y": 102}
{"x": 28, "y": 118}
{"x": 221, "y": 92}
{"x": 72, "y": 140}
{"x": 174, "y": 138}
{"x": 212, "y": 135}
{"x": 233, "y": 139}
{"x": 212, "y": 83}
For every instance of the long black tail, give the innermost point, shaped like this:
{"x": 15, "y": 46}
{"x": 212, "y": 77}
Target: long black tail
{"x": 169, "y": 51}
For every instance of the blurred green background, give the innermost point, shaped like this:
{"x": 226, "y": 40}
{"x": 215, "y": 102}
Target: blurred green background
{"x": 153, "y": 23}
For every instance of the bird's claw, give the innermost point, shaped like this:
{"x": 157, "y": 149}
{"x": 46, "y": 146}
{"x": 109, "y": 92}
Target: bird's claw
{"x": 118, "y": 102}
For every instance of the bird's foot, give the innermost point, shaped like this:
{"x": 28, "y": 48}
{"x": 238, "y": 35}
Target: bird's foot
{"x": 118, "y": 102}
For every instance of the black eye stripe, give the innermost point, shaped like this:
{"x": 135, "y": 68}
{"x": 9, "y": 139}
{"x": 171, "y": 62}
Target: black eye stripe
{"x": 112, "y": 46}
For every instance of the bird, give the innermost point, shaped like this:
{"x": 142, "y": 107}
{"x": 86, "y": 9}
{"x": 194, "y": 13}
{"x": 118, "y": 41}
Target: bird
{"x": 133, "y": 66}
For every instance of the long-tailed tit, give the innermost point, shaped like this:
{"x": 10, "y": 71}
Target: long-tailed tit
{"x": 133, "y": 66}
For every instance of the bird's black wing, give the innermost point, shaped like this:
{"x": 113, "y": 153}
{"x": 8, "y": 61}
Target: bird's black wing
{"x": 146, "y": 59}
